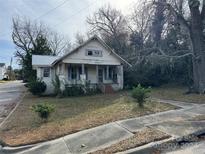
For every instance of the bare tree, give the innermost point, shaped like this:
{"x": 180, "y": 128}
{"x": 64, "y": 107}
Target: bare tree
{"x": 79, "y": 39}
{"x": 111, "y": 25}
{"x": 58, "y": 44}
{"x": 141, "y": 19}
{"x": 26, "y": 32}
{"x": 24, "y": 36}
{"x": 34, "y": 38}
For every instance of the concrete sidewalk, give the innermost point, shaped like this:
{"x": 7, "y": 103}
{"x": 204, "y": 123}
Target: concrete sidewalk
{"x": 106, "y": 135}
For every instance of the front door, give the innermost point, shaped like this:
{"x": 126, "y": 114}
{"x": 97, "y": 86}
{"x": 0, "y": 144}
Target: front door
{"x": 100, "y": 75}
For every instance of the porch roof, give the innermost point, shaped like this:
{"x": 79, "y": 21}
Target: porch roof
{"x": 43, "y": 60}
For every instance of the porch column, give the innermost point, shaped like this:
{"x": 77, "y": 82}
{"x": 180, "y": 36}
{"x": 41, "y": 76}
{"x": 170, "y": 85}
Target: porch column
{"x": 107, "y": 72}
{"x": 83, "y": 76}
{"x": 83, "y": 68}
{"x": 64, "y": 69}
{"x": 97, "y": 74}
{"x": 120, "y": 77}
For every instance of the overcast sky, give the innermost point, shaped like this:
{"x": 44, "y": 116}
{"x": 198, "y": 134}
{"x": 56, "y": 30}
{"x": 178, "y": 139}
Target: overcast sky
{"x": 67, "y": 19}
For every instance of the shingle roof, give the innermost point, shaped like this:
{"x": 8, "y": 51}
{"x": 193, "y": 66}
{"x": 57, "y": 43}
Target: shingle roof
{"x": 42, "y": 60}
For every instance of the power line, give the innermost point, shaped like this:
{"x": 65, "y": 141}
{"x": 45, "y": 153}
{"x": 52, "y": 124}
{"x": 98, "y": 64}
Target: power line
{"x": 53, "y": 9}
{"x": 44, "y": 14}
{"x": 76, "y": 13}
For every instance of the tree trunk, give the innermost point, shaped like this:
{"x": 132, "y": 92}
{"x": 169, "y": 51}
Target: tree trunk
{"x": 196, "y": 32}
{"x": 158, "y": 23}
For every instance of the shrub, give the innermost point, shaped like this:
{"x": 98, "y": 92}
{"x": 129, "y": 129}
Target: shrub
{"x": 155, "y": 71}
{"x": 140, "y": 94}
{"x": 73, "y": 90}
{"x": 79, "y": 90}
{"x": 90, "y": 90}
{"x": 57, "y": 86}
{"x": 37, "y": 87}
{"x": 5, "y": 79}
{"x": 44, "y": 110}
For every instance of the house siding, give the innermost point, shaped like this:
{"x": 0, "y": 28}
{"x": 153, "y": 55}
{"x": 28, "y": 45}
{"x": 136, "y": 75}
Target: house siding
{"x": 80, "y": 56}
{"x": 2, "y": 72}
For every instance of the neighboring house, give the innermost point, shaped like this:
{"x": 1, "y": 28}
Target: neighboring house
{"x": 93, "y": 62}
{"x": 2, "y": 71}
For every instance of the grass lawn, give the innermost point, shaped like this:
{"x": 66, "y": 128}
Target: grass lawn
{"x": 2, "y": 81}
{"x": 177, "y": 93}
{"x": 71, "y": 115}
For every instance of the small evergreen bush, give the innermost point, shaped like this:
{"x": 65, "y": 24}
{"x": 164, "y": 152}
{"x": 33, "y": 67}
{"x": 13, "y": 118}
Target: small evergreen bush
{"x": 140, "y": 94}
{"x": 57, "y": 86}
{"x": 37, "y": 87}
{"x": 44, "y": 110}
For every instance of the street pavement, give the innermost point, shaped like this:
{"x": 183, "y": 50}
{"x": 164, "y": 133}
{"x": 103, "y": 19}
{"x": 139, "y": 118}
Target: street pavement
{"x": 10, "y": 93}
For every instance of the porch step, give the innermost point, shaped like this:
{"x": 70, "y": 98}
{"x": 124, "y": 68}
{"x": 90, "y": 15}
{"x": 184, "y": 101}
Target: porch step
{"x": 108, "y": 89}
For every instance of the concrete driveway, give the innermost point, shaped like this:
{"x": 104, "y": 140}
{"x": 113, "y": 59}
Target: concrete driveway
{"x": 10, "y": 94}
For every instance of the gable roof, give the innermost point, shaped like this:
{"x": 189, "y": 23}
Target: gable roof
{"x": 95, "y": 37}
{"x": 2, "y": 64}
{"x": 43, "y": 60}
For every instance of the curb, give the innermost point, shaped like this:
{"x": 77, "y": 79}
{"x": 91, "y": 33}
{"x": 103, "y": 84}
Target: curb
{"x": 150, "y": 147}
{"x": 16, "y": 149}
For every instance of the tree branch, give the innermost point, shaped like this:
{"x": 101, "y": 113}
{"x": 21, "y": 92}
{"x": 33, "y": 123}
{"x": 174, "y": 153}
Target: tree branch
{"x": 179, "y": 16}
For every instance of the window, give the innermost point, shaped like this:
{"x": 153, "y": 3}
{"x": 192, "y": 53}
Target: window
{"x": 79, "y": 72}
{"x": 105, "y": 73}
{"x": 94, "y": 53}
{"x": 110, "y": 73}
{"x": 46, "y": 72}
{"x": 73, "y": 73}
{"x": 97, "y": 52}
{"x": 90, "y": 53}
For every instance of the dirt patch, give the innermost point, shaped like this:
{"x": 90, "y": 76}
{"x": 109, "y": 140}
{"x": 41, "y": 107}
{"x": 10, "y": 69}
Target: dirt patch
{"x": 198, "y": 118}
{"x": 143, "y": 137}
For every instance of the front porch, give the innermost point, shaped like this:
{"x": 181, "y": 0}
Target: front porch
{"x": 100, "y": 75}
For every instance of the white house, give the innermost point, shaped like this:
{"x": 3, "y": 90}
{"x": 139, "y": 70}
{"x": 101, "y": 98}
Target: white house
{"x": 93, "y": 62}
{"x": 2, "y": 70}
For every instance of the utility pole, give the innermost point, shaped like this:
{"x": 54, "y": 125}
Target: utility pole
{"x": 10, "y": 71}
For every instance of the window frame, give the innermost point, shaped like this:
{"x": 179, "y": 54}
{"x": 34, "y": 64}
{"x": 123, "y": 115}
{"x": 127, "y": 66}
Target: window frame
{"x": 46, "y": 74}
{"x": 74, "y": 73}
{"x": 95, "y": 52}
{"x": 89, "y": 53}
